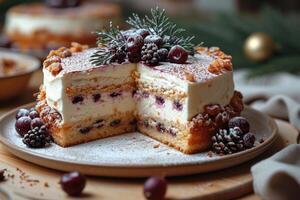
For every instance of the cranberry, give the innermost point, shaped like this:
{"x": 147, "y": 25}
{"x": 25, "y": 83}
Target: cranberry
{"x": 154, "y": 39}
{"x": 62, "y": 3}
{"x": 178, "y": 54}
{"x": 159, "y": 100}
{"x": 23, "y": 125}
{"x": 77, "y": 99}
{"x": 134, "y": 43}
{"x": 249, "y": 139}
{"x": 73, "y": 183}
{"x": 96, "y": 97}
{"x": 155, "y": 188}
{"x": 142, "y": 32}
{"x": 177, "y": 105}
{"x": 36, "y": 122}
{"x": 33, "y": 114}
{"x": 240, "y": 122}
{"x": 163, "y": 54}
{"x": 21, "y": 113}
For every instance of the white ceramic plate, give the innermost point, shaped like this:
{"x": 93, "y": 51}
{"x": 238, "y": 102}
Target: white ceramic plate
{"x": 133, "y": 154}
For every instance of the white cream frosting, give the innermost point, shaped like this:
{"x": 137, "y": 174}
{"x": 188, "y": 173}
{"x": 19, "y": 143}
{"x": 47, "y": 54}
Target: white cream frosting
{"x": 57, "y": 98}
{"x": 218, "y": 90}
{"x": 211, "y": 89}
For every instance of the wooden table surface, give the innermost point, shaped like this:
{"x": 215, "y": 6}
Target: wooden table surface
{"x": 29, "y": 181}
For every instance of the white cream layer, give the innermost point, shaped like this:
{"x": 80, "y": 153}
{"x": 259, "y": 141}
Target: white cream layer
{"x": 215, "y": 91}
{"x": 28, "y": 24}
{"x": 55, "y": 87}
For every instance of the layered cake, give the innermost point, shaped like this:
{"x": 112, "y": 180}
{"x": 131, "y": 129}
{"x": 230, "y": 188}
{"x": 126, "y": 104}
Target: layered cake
{"x": 57, "y": 23}
{"x": 136, "y": 80}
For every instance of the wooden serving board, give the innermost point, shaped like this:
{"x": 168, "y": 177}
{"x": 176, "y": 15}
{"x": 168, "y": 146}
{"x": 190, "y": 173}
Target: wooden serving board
{"x": 33, "y": 182}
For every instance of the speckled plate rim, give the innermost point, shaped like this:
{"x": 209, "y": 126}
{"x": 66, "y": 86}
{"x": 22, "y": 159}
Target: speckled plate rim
{"x": 133, "y": 170}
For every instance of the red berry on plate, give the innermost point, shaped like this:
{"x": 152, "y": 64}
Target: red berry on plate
{"x": 178, "y": 54}
{"x": 155, "y": 188}
{"x": 73, "y": 183}
{"x": 36, "y": 122}
{"x": 34, "y": 114}
{"x": 23, "y": 125}
{"x": 21, "y": 113}
{"x": 240, "y": 122}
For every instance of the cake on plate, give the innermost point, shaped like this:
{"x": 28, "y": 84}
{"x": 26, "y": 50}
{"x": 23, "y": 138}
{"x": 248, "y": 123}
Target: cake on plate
{"x": 139, "y": 79}
{"x": 39, "y": 26}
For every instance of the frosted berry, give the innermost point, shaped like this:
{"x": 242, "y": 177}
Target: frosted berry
{"x": 249, "y": 139}
{"x": 73, "y": 183}
{"x": 178, "y": 54}
{"x": 154, "y": 39}
{"x": 163, "y": 54}
{"x": 155, "y": 188}
{"x": 134, "y": 43}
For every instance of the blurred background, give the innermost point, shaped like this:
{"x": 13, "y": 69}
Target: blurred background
{"x": 263, "y": 36}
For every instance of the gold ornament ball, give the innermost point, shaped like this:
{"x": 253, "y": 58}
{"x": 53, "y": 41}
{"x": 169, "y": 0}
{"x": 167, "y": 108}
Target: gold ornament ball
{"x": 259, "y": 47}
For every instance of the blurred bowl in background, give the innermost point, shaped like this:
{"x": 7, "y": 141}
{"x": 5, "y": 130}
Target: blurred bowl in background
{"x": 15, "y": 81}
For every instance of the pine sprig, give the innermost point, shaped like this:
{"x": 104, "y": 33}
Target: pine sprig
{"x": 112, "y": 37}
{"x": 101, "y": 57}
{"x": 159, "y": 24}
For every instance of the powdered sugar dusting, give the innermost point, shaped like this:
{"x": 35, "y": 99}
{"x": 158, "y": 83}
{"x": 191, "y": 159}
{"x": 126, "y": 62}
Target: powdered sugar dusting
{"x": 196, "y": 66}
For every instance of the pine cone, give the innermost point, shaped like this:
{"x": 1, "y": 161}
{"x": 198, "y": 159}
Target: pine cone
{"x": 228, "y": 142}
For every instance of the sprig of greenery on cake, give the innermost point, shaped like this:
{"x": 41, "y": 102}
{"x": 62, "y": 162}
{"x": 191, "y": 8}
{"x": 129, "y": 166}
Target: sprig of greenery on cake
{"x": 151, "y": 39}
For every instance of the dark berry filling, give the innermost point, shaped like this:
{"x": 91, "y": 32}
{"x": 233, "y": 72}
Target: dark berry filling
{"x": 85, "y": 130}
{"x": 160, "y": 127}
{"x": 98, "y": 123}
{"x": 115, "y": 122}
{"x": 177, "y": 105}
{"x": 159, "y": 100}
{"x": 77, "y": 99}
{"x": 115, "y": 94}
{"x": 133, "y": 122}
{"x": 145, "y": 94}
{"x": 96, "y": 97}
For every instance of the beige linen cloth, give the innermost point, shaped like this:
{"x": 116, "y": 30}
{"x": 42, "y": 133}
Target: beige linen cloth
{"x": 278, "y": 177}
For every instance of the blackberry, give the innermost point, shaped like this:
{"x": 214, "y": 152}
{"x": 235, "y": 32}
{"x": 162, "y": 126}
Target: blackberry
{"x": 37, "y": 137}
{"x": 150, "y": 54}
{"x": 228, "y": 142}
